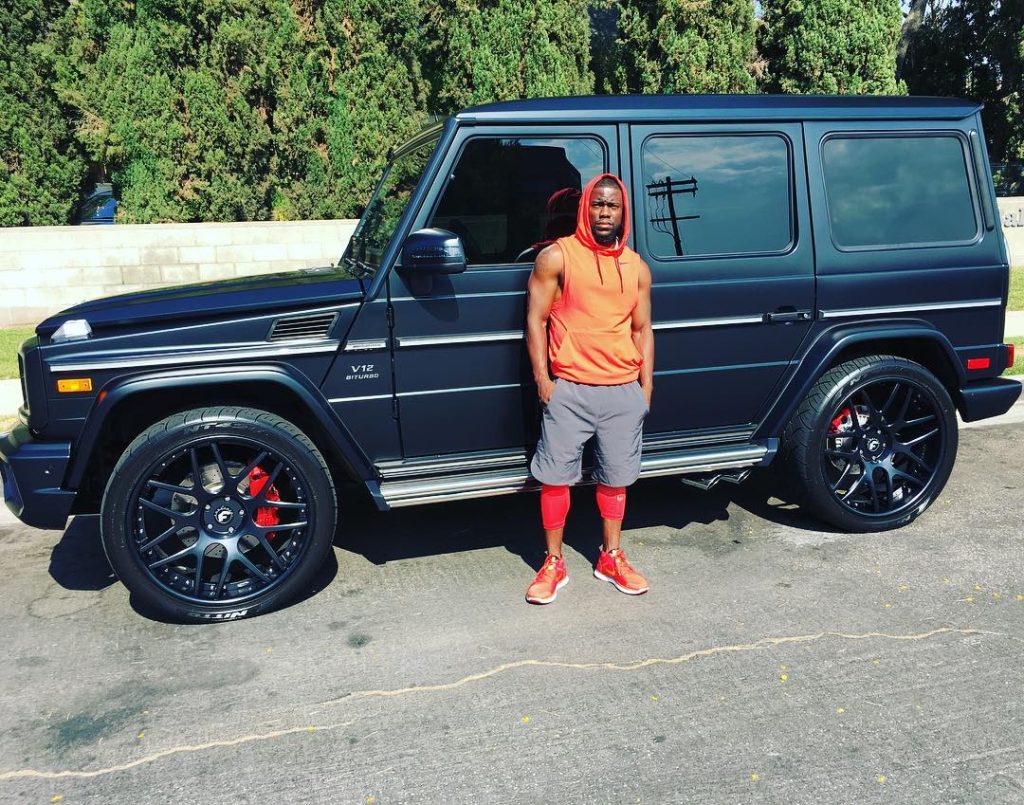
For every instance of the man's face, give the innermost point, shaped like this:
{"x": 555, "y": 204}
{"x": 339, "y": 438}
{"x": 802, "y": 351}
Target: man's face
{"x": 606, "y": 213}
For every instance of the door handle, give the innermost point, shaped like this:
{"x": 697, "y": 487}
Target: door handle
{"x": 787, "y": 315}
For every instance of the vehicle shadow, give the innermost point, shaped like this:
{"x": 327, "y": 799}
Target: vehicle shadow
{"x": 513, "y": 521}
{"x": 78, "y": 562}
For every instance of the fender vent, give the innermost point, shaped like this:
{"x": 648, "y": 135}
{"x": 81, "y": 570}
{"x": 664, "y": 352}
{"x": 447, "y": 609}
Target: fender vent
{"x": 315, "y": 325}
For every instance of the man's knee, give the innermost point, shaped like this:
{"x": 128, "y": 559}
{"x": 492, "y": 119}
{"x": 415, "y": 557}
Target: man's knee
{"x": 554, "y": 506}
{"x": 611, "y": 501}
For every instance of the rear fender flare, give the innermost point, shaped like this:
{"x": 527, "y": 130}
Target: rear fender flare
{"x": 831, "y": 342}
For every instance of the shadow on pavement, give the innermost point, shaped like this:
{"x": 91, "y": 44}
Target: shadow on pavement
{"x": 513, "y": 521}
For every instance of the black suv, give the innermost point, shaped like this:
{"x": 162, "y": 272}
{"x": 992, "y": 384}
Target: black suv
{"x": 829, "y": 276}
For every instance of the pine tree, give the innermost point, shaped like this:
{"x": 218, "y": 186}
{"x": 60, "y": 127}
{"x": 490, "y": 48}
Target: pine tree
{"x": 41, "y": 165}
{"x": 666, "y": 46}
{"x": 845, "y": 47}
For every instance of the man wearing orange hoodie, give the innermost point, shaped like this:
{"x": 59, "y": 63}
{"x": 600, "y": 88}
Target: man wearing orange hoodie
{"x": 589, "y": 317}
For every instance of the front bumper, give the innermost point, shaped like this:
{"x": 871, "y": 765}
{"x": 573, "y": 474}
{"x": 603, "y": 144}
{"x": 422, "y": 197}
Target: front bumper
{"x": 31, "y": 473}
{"x": 987, "y": 398}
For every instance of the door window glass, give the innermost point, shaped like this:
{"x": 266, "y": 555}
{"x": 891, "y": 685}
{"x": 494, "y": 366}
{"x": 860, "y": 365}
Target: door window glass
{"x": 897, "y": 191}
{"x": 509, "y": 197}
{"x": 717, "y": 194}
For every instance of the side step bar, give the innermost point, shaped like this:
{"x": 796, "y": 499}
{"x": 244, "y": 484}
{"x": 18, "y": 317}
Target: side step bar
{"x": 415, "y": 491}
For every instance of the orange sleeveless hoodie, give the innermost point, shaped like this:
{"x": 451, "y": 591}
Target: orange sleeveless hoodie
{"x": 589, "y": 326}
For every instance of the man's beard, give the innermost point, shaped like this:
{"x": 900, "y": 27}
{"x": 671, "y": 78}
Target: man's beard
{"x": 610, "y": 238}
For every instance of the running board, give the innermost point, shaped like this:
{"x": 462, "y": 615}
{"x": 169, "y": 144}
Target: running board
{"x": 416, "y": 491}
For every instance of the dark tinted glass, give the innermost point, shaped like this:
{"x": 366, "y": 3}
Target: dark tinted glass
{"x": 897, "y": 190}
{"x": 509, "y": 197}
{"x": 717, "y": 194}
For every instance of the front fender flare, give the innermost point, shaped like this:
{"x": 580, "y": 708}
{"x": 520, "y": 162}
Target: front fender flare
{"x": 123, "y": 388}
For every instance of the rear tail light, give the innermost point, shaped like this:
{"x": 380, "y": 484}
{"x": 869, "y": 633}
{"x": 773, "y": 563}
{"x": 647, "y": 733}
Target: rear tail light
{"x": 1011, "y": 354}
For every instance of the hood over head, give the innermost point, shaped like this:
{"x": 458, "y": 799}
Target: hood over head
{"x": 584, "y": 234}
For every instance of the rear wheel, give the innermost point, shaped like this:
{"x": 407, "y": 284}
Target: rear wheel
{"x": 873, "y": 444}
{"x": 218, "y": 513}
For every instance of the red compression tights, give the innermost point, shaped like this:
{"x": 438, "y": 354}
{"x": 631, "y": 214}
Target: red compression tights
{"x": 554, "y": 506}
{"x": 611, "y": 501}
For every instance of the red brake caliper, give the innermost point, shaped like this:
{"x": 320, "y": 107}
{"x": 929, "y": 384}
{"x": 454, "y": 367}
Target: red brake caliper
{"x": 838, "y": 421}
{"x": 265, "y": 515}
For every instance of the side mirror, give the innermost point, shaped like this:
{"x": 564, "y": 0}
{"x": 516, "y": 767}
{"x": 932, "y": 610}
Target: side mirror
{"x": 433, "y": 251}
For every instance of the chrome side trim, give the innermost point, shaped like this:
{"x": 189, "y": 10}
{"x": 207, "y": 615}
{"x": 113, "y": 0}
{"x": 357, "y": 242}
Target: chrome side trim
{"x": 518, "y": 479}
{"x": 357, "y": 399}
{"x": 366, "y": 344}
{"x": 723, "y": 322}
{"x": 428, "y": 391}
{"x": 874, "y": 311}
{"x": 259, "y": 351}
{"x": 405, "y": 469}
{"x": 469, "y": 338}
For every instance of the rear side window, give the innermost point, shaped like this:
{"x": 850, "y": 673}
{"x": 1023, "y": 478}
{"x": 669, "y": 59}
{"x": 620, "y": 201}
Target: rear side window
{"x": 717, "y": 194}
{"x": 509, "y": 197}
{"x": 909, "y": 190}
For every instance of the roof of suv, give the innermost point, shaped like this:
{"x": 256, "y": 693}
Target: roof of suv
{"x": 735, "y": 107}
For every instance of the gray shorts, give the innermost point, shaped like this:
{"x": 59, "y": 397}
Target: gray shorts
{"x": 575, "y": 412}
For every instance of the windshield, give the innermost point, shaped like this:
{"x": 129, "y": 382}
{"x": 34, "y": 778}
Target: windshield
{"x": 373, "y": 234}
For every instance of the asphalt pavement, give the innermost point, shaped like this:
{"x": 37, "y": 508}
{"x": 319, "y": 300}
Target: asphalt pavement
{"x": 774, "y": 660}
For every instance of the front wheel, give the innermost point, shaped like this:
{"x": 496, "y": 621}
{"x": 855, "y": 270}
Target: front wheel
{"x": 218, "y": 513}
{"x": 874, "y": 443}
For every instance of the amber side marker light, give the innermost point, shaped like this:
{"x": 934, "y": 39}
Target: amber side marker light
{"x": 74, "y": 384}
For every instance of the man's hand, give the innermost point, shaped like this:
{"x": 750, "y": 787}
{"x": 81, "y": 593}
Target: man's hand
{"x": 545, "y": 388}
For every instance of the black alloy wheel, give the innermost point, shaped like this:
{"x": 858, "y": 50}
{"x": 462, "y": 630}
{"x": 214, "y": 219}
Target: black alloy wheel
{"x": 218, "y": 514}
{"x": 873, "y": 443}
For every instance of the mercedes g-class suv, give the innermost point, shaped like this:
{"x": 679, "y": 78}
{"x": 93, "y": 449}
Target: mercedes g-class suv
{"x": 830, "y": 280}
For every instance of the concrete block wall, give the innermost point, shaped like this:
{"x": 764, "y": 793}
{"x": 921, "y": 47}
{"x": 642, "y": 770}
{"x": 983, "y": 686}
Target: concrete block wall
{"x": 1011, "y": 211}
{"x": 46, "y": 269}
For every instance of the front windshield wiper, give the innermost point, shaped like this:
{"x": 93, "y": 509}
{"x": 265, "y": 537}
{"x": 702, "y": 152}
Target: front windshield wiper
{"x": 363, "y": 270}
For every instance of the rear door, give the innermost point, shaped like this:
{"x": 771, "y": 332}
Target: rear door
{"x": 722, "y": 221}
{"x": 462, "y": 374}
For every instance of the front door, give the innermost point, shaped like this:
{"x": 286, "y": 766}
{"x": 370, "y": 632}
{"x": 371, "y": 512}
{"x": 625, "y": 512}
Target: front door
{"x": 722, "y": 221}
{"x": 462, "y": 374}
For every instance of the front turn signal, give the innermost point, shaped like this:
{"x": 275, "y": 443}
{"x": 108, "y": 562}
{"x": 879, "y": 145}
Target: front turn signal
{"x": 73, "y": 385}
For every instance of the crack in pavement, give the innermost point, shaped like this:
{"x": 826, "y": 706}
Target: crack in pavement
{"x": 764, "y": 642}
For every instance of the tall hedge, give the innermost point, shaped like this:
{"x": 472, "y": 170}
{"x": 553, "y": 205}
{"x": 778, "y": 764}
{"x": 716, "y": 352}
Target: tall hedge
{"x": 487, "y": 50}
{"x": 41, "y": 165}
{"x": 843, "y": 47}
{"x": 682, "y": 46}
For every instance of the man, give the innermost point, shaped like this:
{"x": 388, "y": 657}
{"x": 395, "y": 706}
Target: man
{"x": 589, "y": 316}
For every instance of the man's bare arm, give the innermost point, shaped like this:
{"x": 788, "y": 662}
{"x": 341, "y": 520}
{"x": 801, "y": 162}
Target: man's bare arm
{"x": 542, "y": 291}
{"x": 642, "y": 332}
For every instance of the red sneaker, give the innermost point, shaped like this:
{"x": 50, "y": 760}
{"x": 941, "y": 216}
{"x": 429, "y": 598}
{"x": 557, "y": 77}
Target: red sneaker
{"x": 613, "y": 567}
{"x": 551, "y": 578}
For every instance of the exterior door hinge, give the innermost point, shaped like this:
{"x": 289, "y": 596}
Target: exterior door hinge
{"x": 394, "y": 407}
{"x": 391, "y": 316}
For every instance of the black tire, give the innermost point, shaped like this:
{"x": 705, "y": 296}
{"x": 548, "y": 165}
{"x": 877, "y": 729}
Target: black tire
{"x": 247, "y": 539}
{"x": 873, "y": 443}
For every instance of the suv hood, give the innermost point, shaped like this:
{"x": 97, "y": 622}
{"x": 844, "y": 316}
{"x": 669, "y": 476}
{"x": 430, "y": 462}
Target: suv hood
{"x": 309, "y": 287}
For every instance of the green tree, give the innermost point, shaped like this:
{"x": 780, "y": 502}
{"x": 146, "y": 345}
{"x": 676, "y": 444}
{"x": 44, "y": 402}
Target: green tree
{"x": 41, "y": 165}
{"x": 975, "y": 49}
{"x": 845, "y": 47}
{"x": 681, "y": 46}
{"x": 492, "y": 50}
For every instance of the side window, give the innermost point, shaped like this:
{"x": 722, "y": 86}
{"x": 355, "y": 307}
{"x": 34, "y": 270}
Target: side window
{"x": 897, "y": 190}
{"x": 509, "y": 197}
{"x": 717, "y": 194}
